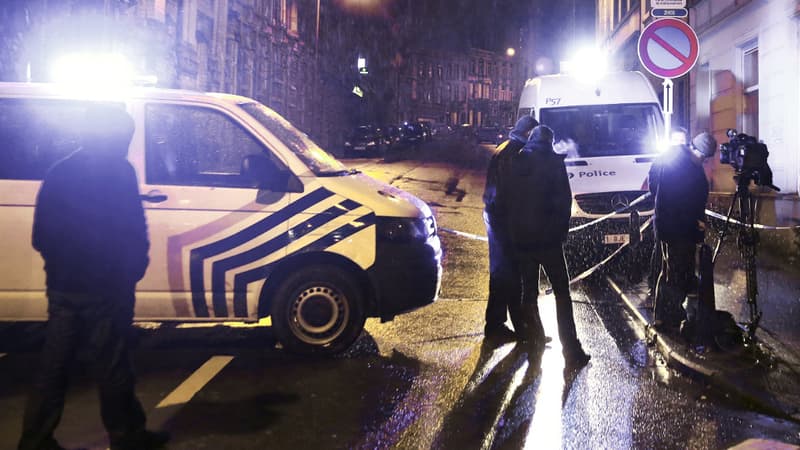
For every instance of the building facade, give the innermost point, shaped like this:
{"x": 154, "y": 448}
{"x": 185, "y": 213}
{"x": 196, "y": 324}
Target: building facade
{"x": 296, "y": 56}
{"x": 479, "y": 87}
{"x": 276, "y": 51}
{"x": 747, "y": 76}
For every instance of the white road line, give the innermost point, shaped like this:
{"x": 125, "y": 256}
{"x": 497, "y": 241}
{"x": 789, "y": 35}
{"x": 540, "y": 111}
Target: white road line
{"x": 183, "y": 393}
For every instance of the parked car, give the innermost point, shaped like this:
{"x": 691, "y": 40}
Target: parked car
{"x": 427, "y": 130}
{"x": 411, "y": 134}
{"x": 491, "y": 135}
{"x": 466, "y": 133}
{"x": 391, "y": 135}
{"x": 365, "y": 140}
{"x": 441, "y": 130}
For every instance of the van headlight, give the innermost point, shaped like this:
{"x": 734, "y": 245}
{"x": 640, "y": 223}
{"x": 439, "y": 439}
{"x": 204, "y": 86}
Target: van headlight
{"x": 401, "y": 229}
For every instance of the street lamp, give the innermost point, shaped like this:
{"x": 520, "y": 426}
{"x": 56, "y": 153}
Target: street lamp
{"x": 510, "y": 51}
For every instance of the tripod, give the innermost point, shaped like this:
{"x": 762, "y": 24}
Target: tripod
{"x": 747, "y": 241}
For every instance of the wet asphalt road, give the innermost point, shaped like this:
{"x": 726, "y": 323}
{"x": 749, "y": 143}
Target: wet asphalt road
{"x": 425, "y": 380}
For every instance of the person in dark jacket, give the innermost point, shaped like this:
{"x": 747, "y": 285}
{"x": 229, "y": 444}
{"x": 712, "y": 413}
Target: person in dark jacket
{"x": 680, "y": 188}
{"x": 537, "y": 195}
{"x": 90, "y": 229}
{"x": 505, "y": 288}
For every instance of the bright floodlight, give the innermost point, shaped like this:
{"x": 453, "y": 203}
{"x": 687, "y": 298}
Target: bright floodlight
{"x": 588, "y": 64}
{"x": 93, "y": 70}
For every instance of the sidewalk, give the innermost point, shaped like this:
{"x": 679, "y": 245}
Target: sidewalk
{"x": 764, "y": 375}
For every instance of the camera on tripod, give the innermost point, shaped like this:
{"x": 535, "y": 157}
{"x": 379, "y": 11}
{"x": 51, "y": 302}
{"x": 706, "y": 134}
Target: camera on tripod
{"x": 748, "y": 157}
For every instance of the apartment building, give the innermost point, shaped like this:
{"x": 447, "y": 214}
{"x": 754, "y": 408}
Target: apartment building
{"x": 478, "y": 87}
{"x": 747, "y": 76}
{"x": 276, "y": 51}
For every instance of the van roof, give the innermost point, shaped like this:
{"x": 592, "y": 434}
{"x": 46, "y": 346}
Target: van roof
{"x": 17, "y": 89}
{"x": 568, "y": 90}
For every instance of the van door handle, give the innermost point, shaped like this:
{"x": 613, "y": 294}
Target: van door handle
{"x": 154, "y": 196}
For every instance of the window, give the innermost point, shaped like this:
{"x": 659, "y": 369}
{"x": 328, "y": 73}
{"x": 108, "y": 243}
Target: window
{"x": 605, "y": 130}
{"x": 187, "y": 145}
{"x": 292, "y": 19}
{"x": 35, "y": 134}
{"x": 750, "y": 86}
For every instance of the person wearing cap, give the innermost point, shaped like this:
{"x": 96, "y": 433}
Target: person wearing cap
{"x": 504, "y": 278}
{"x": 680, "y": 188}
{"x": 90, "y": 229}
{"x": 537, "y": 194}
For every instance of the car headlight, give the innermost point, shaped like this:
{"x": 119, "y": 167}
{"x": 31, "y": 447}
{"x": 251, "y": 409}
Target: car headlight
{"x": 402, "y": 229}
{"x": 371, "y": 143}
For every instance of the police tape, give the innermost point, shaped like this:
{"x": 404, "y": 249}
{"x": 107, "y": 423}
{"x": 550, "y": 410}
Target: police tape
{"x": 635, "y": 202}
{"x": 717, "y": 215}
{"x": 588, "y": 272}
{"x": 583, "y": 275}
{"x": 463, "y": 234}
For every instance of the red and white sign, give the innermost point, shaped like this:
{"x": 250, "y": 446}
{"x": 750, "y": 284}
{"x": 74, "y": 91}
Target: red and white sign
{"x": 668, "y": 48}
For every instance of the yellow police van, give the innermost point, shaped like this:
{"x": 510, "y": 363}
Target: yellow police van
{"x": 610, "y": 127}
{"x": 247, "y": 217}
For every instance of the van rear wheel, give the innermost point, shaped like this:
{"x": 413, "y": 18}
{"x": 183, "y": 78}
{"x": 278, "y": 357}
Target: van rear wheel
{"x": 318, "y": 310}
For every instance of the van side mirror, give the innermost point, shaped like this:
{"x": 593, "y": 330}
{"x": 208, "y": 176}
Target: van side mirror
{"x": 263, "y": 173}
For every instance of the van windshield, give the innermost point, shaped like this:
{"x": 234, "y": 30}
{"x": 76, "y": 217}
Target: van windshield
{"x": 604, "y": 130}
{"x": 318, "y": 160}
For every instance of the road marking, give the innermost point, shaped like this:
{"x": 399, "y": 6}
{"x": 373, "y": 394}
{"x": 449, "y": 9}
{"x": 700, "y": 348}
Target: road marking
{"x": 183, "y": 393}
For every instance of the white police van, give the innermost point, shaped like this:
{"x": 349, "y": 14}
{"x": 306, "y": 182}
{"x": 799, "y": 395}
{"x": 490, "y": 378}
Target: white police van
{"x": 247, "y": 217}
{"x": 609, "y": 128}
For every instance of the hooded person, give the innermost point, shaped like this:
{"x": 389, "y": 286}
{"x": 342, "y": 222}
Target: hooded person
{"x": 504, "y": 277}
{"x": 537, "y": 195}
{"x": 90, "y": 229}
{"x": 680, "y": 188}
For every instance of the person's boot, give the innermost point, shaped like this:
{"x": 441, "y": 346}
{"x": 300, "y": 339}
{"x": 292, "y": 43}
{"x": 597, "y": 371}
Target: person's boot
{"x": 499, "y": 333}
{"x": 574, "y": 356}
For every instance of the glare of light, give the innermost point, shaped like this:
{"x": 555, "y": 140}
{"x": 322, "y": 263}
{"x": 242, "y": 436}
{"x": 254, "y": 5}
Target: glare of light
{"x": 510, "y": 51}
{"x": 98, "y": 71}
{"x": 588, "y": 64}
{"x": 678, "y": 138}
{"x": 546, "y": 427}
{"x": 662, "y": 145}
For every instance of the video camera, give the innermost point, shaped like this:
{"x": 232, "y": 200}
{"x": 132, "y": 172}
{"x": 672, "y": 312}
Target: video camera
{"x": 748, "y": 157}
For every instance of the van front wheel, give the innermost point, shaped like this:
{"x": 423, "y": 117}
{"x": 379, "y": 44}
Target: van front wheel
{"x": 318, "y": 310}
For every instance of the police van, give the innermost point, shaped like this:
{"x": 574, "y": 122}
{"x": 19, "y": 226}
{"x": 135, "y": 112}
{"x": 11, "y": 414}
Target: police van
{"x": 247, "y": 217}
{"x": 610, "y": 129}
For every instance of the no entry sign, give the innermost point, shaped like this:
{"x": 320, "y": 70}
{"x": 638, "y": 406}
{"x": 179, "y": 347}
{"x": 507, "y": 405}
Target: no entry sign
{"x": 668, "y": 48}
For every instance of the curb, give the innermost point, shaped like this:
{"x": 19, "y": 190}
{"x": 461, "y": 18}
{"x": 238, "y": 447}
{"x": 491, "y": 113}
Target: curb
{"x": 716, "y": 378}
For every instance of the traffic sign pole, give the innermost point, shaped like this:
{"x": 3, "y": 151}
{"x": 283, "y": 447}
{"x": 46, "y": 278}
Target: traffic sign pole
{"x": 667, "y": 106}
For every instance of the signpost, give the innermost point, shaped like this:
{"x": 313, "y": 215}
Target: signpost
{"x": 668, "y": 48}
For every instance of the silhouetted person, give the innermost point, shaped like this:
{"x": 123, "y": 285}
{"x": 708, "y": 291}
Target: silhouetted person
{"x": 90, "y": 228}
{"x": 505, "y": 284}
{"x": 538, "y": 197}
{"x": 680, "y": 188}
